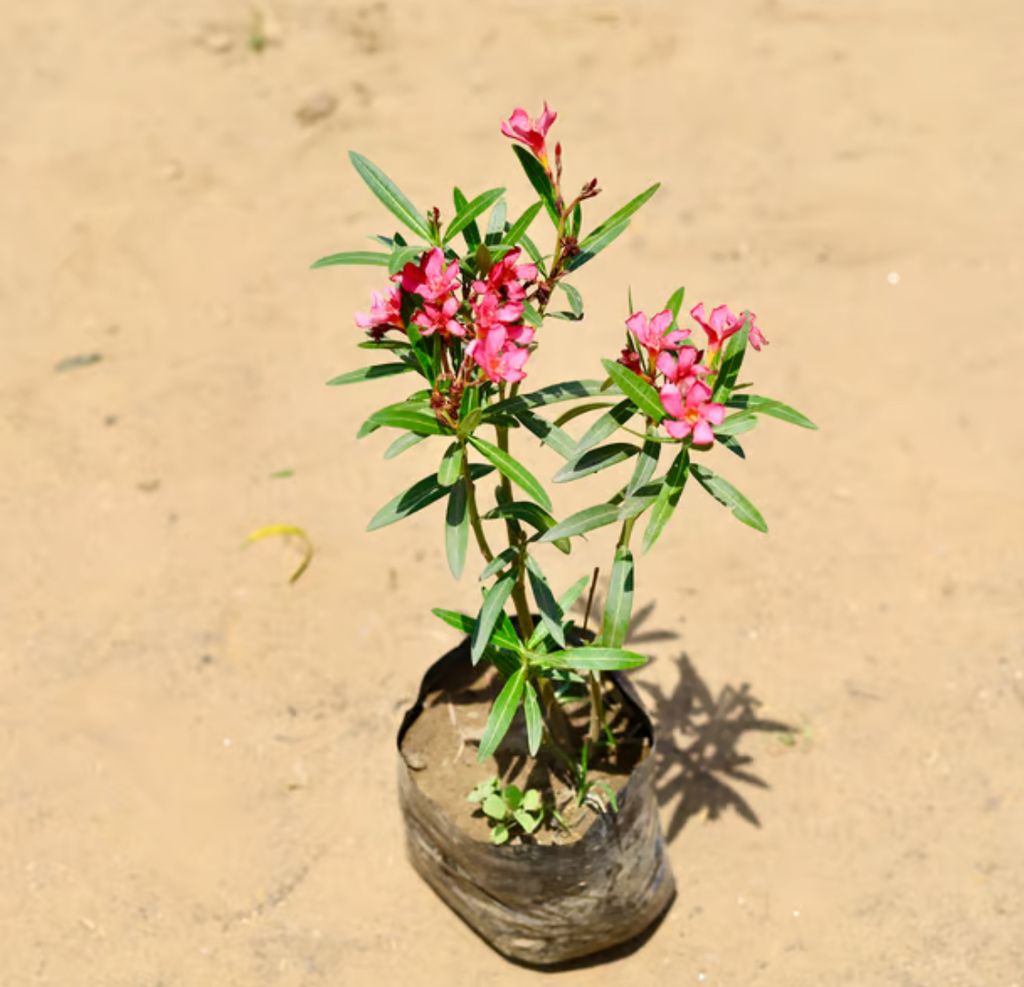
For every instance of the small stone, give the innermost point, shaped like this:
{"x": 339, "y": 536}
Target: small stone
{"x": 217, "y": 41}
{"x": 317, "y": 107}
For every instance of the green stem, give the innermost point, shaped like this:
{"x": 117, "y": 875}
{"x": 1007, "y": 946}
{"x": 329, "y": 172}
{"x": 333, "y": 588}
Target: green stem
{"x": 474, "y": 514}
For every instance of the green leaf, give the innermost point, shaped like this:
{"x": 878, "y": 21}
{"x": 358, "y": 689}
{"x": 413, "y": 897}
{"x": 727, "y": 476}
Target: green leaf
{"x": 594, "y": 244}
{"x": 522, "y": 224}
{"x": 591, "y": 659}
{"x": 538, "y": 179}
{"x": 500, "y": 834}
{"x": 483, "y": 789}
{"x": 532, "y": 800}
{"x": 366, "y": 257}
{"x": 535, "y": 255}
{"x": 530, "y": 513}
{"x": 471, "y": 234}
{"x": 575, "y": 299}
{"x": 513, "y": 469}
{"x": 470, "y": 211}
{"x": 619, "y": 606}
{"x": 548, "y": 433}
{"x": 619, "y": 216}
{"x": 769, "y": 406}
{"x": 636, "y": 389}
{"x": 402, "y": 443}
{"x": 674, "y": 304}
{"x": 552, "y": 394}
{"x": 725, "y": 493}
{"x": 595, "y": 460}
{"x": 550, "y": 613}
{"x": 456, "y": 530}
{"x": 421, "y": 494}
{"x": 496, "y": 225}
{"x": 397, "y": 416}
{"x": 609, "y": 423}
{"x": 645, "y": 466}
{"x": 583, "y": 521}
{"x": 369, "y": 373}
{"x": 493, "y": 605}
{"x": 502, "y": 636}
{"x": 736, "y": 424}
{"x": 494, "y": 806}
{"x": 390, "y": 194}
{"x": 527, "y": 822}
{"x": 581, "y": 409}
{"x": 534, "y": 727}
{"x": 732, "y": 360}
{"x": 500, "y": 561}
{"x": 531, "y": 315}
{"x": 450, "y": 468}
{"x": 502, "y": 711}
{"x": 668, "y": 497}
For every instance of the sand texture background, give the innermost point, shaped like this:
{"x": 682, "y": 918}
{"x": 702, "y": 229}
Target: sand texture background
{"x": 197, "y": 765}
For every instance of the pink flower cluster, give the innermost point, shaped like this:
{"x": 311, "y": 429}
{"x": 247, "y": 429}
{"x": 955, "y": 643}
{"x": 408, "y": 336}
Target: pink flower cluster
{"x": 488, "y": 312}
{"x": 664, "y": 358}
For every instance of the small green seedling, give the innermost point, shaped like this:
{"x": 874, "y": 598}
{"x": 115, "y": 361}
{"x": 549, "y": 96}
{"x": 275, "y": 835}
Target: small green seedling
{"x": 585, "y": 785}
{"x": 509, "y": 809}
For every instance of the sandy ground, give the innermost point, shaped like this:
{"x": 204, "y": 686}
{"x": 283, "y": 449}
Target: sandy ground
{"x": 197, "y": 766}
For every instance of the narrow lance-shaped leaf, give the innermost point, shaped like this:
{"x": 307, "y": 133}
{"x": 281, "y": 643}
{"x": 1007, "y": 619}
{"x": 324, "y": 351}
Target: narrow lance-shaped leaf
{"x": 516, "y": 231}
{"x": 450, "y": 468}
{"x": 407, "y": 418}
{"x": 668, "y": 497}
{"x": 513, "y": 469}
{"x": 550, "y": 612}
{"x": 736, "y": 424}
{"x": 609, "y": 423}
{"x": 502, "y": 637}
{"x": 732, "y": 360}
{"x": 534, "y": 720}
{"x": 725, "y": 493}
{"x": 674, "y": 304}
{"x": 592, "y": 659}
{"x": 471, "y": 233}
{"x": 583, "y": 521}
{"x": 754, "y": 403}
{"x": 496, "y": 224}
{"x": 533, "y": 514}
{"x": 502, "y": 560}
{"x": 619, "y": 215}
{"x": 390, "y": 194}
{"x": 595, "y": 460}
{"x": 419, "y": 495}
{"x": 364, "y": 257}
{"x": 502, "y": 711}
{"x": 402, "y": 443}
{"x": 401, "y": 256}
{"x": 549, "y": 433}
{"x": 636, "y": 389}
{"x": 369, "y": 373}
{"x": 595, "y": 244}
{"x": 471, "y": 210}
{"x": 552, "y": 394}
{"x": 565, "y": 602}
{"x": 493, "y": 605}
{"x": 456, "y": 530}
{"x": 646, "y": 464}
{"x": 619, "y": 607}
{"x": 538, "y": 179}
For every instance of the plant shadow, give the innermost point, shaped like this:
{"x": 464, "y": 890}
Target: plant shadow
{"x": 700, "y": 767}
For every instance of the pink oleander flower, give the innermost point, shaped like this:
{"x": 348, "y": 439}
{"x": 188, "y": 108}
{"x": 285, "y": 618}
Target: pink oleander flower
{"x": 681, "y": 368}
{"x": 430, "y": 279}
{"x": 532, "y": 133}
{"x": 385, "y": 313}
{"x": 439, "y": 318}
{"x": 719, "y": 326}
{"x": 489, "y": 313}
{"x": 499, "y": 357}
{"x": 651, "y": 333}
{"x": 757, "y": 338}
{"x": 693, "y": 415}
{"x": 508, "y": 277}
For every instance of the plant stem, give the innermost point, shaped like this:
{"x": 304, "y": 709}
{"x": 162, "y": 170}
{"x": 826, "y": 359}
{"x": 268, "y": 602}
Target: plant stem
{"x": 474, "y": 514}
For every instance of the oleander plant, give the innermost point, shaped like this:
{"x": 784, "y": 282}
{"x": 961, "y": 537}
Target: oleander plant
{"x": 467, "y": 301}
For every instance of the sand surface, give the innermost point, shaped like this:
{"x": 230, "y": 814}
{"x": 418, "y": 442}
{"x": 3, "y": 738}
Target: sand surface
{"x": 197, "y": 766}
